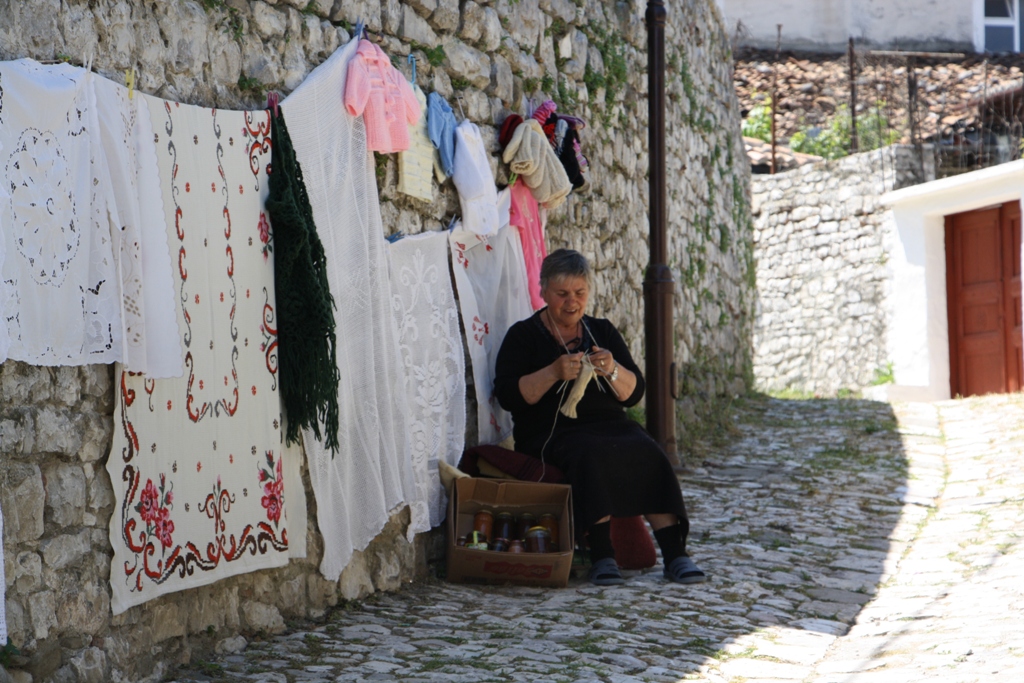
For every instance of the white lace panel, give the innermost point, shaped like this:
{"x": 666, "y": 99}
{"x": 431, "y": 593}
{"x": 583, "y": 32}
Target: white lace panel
{"x": 490, "y": 275}
{"x": 5, "y": 340}
{"x": 60, "y": 296}
{"x": 3, "y": 587}
{"x": 371, "y": 475}
{"x": 136, "y": 214}
{"x": 434, "y": 364}
{"x": 117, "y": 141}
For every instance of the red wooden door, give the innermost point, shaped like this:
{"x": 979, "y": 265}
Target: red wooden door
{"x": 983, "y": 287}
{"x": 1012, "y": 296}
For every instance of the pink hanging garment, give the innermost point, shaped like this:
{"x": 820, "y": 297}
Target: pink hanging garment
{"x": 524, "y": 215}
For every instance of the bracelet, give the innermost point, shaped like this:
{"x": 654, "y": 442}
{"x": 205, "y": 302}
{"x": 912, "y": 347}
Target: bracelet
{"x": 615, "y": 373}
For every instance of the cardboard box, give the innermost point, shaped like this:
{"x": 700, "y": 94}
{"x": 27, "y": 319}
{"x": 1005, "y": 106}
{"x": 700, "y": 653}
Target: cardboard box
{"x": 470, "y": 495}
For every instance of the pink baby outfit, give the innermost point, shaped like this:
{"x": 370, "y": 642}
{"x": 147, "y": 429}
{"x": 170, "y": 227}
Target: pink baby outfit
{"x": 385, "y": 99}
{"x": 525, "y": 216}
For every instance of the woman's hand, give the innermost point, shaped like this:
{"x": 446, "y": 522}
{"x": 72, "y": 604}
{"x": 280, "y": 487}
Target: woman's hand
{"x": 606, "y": 365}
{"x": 603, "y": 361}
{"x": 567, "y": 367}
{"x": 536, "y": 384}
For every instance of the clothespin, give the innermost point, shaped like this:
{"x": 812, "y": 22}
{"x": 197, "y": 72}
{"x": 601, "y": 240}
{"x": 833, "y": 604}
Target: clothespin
{"x": 458, "y": 98}
{"x": 360, "y": 28}
{"x": 412, "y": 60}
{"x": 394, "y": 238}
{"x": 129, "y": 80}
{"x": 451, "y": 223}
{"x": 512, "y": 179}
{"x": 272, "y": 100}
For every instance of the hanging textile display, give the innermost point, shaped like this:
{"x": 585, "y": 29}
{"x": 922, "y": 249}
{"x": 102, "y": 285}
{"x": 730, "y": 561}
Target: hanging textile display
{"x": 474, "y": 180}
{"x": 416, "y": 165}
{"x": 5, "y": 340}
{"x": 524, "y": 214}
{"x": 197, "y": 462}
{"x": 490, "y": 277}
{"x": 135, "y": 211}
{"x": 530, "y": 155}
{"x": 380, "y": 94}
{"x": 60, "y": 301}
{"x": 433, "y": 360}
{"x": 307, "y": 341}
{"x": 441, "y": 128}
{"x": 3, "y": 585}
{"x": 372, "y": 474}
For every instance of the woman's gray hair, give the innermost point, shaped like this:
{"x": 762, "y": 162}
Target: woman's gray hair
{"x": 564, "y": 263}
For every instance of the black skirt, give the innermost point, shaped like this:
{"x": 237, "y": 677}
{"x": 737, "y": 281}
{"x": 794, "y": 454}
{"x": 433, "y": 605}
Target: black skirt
{"x": 615, "y": 468}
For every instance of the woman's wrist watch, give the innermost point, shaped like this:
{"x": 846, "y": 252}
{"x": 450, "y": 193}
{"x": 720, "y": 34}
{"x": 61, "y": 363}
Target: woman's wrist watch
{"x": 615, "y": 372}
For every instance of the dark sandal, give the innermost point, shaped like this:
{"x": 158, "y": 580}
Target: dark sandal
{"x": 605, "y": 572}
{"x": 684, "y": 570}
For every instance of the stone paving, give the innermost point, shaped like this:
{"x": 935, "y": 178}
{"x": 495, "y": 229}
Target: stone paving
{"x": 845, "y": 540}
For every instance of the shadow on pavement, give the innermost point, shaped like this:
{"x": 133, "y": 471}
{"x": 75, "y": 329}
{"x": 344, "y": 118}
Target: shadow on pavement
{"x": 797, "y": 515}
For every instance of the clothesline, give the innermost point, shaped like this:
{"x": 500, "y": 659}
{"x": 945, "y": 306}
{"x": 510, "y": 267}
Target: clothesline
{"x": 206, "y": 327}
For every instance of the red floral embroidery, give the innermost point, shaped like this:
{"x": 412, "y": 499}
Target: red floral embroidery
{"x": 164, "y": 527}
{"x": 264, "y": 228}
{"x": 480, "y": 330}
{"x": 273, "y": 488}
{"x": 460, "y": 254}
{"x": 154, "y": 508}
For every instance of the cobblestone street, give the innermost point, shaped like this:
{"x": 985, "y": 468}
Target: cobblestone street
{"x": 844, "y": 540}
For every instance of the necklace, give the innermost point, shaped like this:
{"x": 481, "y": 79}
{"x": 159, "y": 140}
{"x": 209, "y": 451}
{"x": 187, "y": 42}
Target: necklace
{"x": 554, "y": 326}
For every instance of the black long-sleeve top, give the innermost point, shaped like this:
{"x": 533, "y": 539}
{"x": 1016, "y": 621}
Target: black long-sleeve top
{"x": 528, "y": 347}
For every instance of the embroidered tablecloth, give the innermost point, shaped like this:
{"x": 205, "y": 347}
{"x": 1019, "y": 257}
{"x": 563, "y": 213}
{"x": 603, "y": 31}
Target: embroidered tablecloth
{"x": 197, "y": 463}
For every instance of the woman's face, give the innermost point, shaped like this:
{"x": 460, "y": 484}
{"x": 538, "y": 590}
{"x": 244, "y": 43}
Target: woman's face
{"x": 566, "y": 299}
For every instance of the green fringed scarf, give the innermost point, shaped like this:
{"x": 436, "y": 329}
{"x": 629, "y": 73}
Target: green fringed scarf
{"x": 305, "y": 308}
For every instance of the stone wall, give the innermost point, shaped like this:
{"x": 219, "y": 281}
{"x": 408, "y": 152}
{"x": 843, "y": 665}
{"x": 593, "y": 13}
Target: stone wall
{"x": 486, "y": 57}
{"x": 820, "y": 240}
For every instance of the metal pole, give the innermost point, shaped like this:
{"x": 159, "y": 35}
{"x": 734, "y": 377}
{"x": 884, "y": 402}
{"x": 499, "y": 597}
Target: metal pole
{"x": 775, "y": 90}
{"x": 853, "y": 100}
{"x": 659, "y": 286}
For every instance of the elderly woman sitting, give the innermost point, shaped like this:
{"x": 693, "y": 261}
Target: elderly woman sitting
{"x": 615, "y": 468}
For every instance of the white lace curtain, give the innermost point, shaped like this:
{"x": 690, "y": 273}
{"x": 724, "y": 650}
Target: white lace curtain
{"x": 371, "y": 475}
{"x": 433, "y": 361}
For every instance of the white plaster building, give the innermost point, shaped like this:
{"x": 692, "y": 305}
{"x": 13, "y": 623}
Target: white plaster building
{"x": 827, "y": 25}
{"x": 955, "y": 304}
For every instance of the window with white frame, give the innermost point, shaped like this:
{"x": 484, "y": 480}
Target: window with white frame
{"x": 1002, "y": 26}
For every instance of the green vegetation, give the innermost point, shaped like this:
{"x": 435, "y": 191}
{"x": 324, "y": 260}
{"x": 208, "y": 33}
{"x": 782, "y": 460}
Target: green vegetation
{"x": 435, "y": 55}
{"x": 7, "y": 652}
{"x": 557, "y": 28}
{"x": 833, "y": 142}
{"x": 758, "y": 123}
{"x": 250, "y": 85}
{"x": 884, "y": 375}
